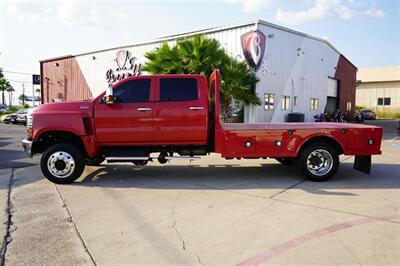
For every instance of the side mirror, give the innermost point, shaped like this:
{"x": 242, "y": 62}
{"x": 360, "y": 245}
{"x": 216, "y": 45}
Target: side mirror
{"x": 109, "y": 97}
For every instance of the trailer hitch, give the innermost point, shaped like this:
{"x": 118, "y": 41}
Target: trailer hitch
{"x": 362, "y": 163}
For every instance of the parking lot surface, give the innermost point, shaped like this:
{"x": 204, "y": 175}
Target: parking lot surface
{"x": 209, "y": 212}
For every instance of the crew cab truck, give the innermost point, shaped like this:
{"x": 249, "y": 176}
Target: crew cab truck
{"x": 178, "y": 117}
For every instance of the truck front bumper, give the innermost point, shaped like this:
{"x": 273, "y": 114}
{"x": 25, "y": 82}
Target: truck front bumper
{"x": 27, "y": 146}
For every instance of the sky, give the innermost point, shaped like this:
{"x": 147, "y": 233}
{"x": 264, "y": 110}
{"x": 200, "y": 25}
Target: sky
{"x": 365, "y": 31}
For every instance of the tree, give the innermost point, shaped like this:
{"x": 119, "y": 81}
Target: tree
{"x": 10, "y": 91}
{"x": 200, "y": 55}
{"x": 23, "y": 98}
{"x": 4, "y": 85}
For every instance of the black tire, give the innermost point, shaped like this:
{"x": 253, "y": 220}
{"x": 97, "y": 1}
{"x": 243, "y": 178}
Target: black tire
{"x": 286, "y": 161}
{"x": 95, "y": 162}
{"x": 317, "y": 150}
{"x": 68, "y": 150}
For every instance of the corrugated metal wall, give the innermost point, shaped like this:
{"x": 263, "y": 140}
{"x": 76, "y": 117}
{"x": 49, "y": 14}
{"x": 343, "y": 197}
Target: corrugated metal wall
{"x": 346, "y": 73}
{"x": 293, "y": 65}
{"x": 62, "y": 80}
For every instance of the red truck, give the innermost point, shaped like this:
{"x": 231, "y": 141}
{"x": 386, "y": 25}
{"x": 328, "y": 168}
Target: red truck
{"x": 163, "y": 117}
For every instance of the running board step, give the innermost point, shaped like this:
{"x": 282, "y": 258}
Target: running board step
{"x": 181, "y": 157}
{"x": 127, "y": 159}
{"x": 145, "y": 158}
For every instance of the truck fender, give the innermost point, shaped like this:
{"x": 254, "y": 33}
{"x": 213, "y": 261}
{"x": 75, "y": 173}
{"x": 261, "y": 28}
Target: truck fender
{"x": 321, "y": 137}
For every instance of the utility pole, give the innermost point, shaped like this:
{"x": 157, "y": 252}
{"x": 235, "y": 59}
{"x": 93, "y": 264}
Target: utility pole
{"x": 23, "y": 93}
{"x": 33, "y": 95}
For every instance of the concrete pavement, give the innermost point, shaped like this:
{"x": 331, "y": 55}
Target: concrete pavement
{"x": 248, "y": 212}
{"x": 36, "y": 228}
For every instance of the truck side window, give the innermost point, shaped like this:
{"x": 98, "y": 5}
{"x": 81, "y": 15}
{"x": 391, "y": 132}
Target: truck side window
{"x": 133, "y": 91}
{"x": 178, "y": 89}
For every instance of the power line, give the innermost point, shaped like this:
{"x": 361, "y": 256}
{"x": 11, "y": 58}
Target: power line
{"x": 20, "y": 81}
{"x": 16, "y": 72}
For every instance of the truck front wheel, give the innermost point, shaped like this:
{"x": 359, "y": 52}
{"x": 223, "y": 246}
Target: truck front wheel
{"x": 318, "y": 161}
{"x": 62, "y": 163}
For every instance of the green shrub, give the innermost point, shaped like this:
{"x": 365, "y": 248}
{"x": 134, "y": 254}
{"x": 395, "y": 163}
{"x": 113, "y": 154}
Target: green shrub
{"x": 11, "y": 109}
{"x": 388, "y": 114}
{"x": 359, "y": 108}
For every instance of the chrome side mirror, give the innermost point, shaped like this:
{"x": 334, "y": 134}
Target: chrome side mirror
{"x": 109, "y": 97}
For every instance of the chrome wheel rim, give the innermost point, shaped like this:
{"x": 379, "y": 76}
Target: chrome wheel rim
{"x": 61, "y": 164}
{"x": 319, "y": 162}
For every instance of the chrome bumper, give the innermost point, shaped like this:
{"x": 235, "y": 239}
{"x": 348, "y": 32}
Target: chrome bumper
{"x": 27, "y": 145}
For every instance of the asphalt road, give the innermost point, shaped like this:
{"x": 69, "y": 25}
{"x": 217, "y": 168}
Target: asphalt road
{"x": 247, "y": 212}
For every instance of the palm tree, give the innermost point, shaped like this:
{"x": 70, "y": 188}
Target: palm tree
{"x": 10, "y": 91}
{"x": 200, "y": 55}
{"x": 4, "y": 84}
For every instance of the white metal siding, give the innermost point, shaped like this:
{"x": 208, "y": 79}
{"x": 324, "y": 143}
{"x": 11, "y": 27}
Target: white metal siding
{"x": 293, "y": 65}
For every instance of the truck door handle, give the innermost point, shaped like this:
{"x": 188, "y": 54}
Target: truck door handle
{"x": 144, "y": 109}
{"x": 196, "y": 108}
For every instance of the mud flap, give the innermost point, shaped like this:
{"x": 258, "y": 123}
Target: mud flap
{"x": 363, "y": 164}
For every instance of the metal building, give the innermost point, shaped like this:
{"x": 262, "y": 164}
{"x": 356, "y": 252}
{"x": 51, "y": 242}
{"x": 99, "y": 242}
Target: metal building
{"x": 298, "y": 72}
{"x": 379, "y": 88}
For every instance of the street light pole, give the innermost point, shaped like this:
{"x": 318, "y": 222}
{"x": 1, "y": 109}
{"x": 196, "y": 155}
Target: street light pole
{"x": 33, "y": 95}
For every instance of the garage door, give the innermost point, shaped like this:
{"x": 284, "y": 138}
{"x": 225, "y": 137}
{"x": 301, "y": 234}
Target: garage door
{"x": 332, "y": 87}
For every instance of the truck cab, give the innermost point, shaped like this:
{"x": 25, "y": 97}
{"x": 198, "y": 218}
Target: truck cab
{"x": 152, "y": 110}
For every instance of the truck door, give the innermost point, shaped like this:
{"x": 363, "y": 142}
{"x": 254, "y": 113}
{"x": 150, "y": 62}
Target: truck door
{"x": 129, "y": 120}
{"x": 181, "y": 111}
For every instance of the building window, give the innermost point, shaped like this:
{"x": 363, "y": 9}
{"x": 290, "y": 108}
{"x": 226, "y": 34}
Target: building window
{"x": 285, "y": 103}
{"x": 314, "y": 104}
{"x": 268, "y": 101}
{"x": 384, "y": 101}
{"x": 295, "y": 100}
{"x": 348, "y": 106}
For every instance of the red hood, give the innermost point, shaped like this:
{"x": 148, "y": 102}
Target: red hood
{"x": 84, "y": 107}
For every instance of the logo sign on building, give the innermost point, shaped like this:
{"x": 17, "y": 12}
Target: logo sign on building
{"x": 126, "y": 67}
{"x": 253, "y": 46}
{"x": 36, "y": 79}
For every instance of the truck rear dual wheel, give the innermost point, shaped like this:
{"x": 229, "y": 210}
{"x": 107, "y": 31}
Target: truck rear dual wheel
{"x": 62, "y": 163}
{"x": 318, "y": 162}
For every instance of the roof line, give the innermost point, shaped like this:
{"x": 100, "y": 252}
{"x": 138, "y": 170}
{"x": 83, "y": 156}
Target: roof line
{"x": 298, "y": 33}
{"x": 56, "y": 58}
{"x": 162, "y": 39}
{"x": 203, "y": 31}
